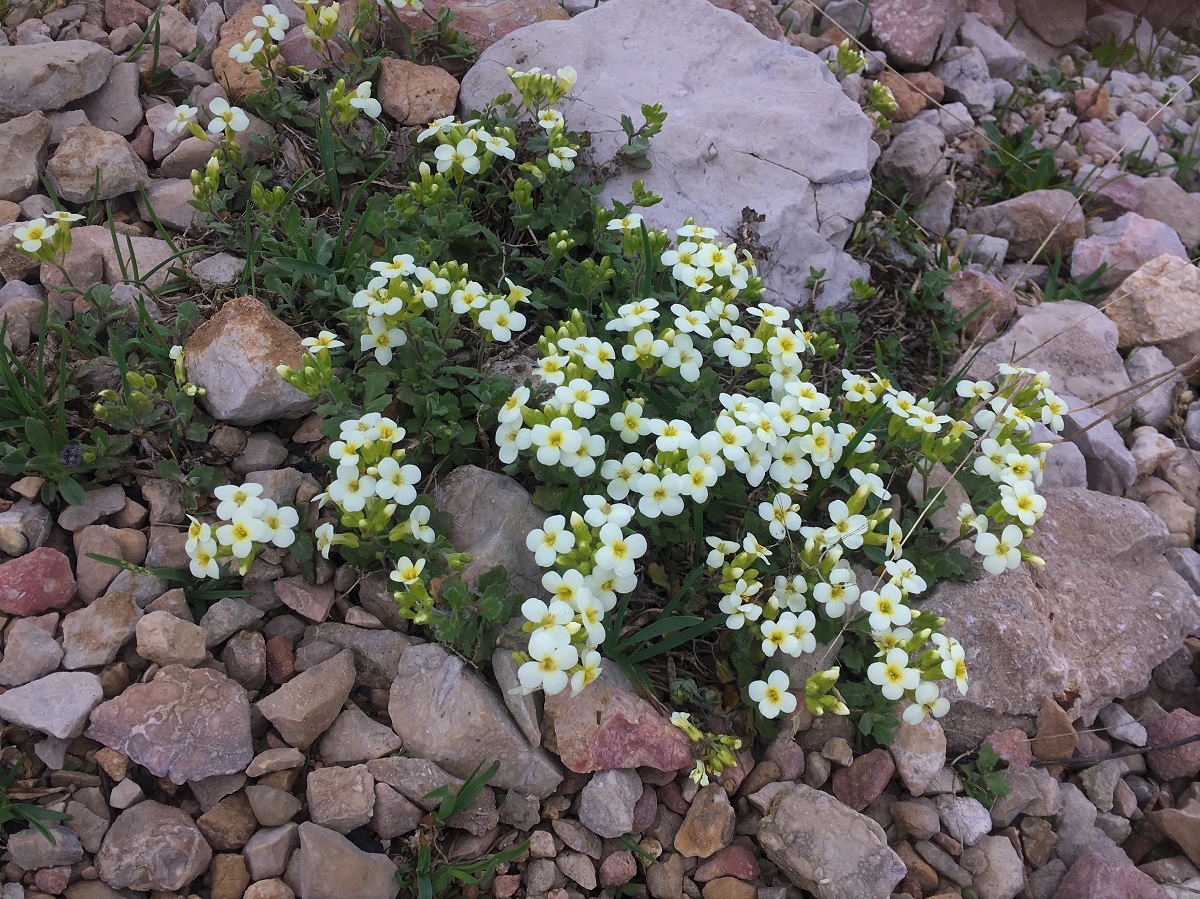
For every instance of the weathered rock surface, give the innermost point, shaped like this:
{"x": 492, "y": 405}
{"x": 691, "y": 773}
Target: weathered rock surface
{"x": 1072, "y": 625}
{"x": 57, "y": 704}
{"x": 152, "y": 847}
{"x": 826, "y": 848}
{"x": 49, "y": 76}
{"x": 186, "y": 724}
{"x": 1049, "y": 217}
{"x": 1157, "y": 305}
{"x": 707, "y": 163}
{"x": 329, "y": 866}
{"x": 305, "y": 706}
{"x": 915, "y": 32}
{"x": 23, "y": 149}
{"x": 444, "y": 712}
{"x": 233, "y": 356}
{"x": 93, "y": 162}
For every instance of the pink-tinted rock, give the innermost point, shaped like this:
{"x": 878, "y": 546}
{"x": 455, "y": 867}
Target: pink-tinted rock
{"x": 1116, "y": 193}
{"x": 186, "y": 724}
{"x": 618, "y": 868}
{"x": 606, "y": 726}
{"x": 969, "y": 291}
{"x": 758, "y": 13}
{"x": 35, "y": 582}
{"x": 119, "y": 13}
{"x": 1182, "y": 761}
{"x": 1125, "y": 246}
{"x": 310, "y": 600}
{"x": 52, "y": 880}
{"x": 1012, "y": 745}
{"x": 860, "y": 784}
{"x": 912, "y": 32}
{"x": 733, "y": 861}
{"x": 483, "y": 21}
{"x": 1097, "y": 876}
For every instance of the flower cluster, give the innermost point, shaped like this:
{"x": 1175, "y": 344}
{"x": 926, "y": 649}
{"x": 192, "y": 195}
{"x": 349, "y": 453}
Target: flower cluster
{"x": 250, "y": 521}
{"x": 793, "y": 577}
{"x": 47, "y": 238}
{"x": 259, "y": 47}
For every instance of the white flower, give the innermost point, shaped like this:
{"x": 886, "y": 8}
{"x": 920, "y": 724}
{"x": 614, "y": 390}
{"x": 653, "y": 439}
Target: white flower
{"x": 497, "y": 145}
{"x": 62, "y": 217}
{"x": 589, "y": 670}
{"x": 245, "y": 51}
{"x": 644, "y": 348}
{"x": 1022, "y": 502}
{"x": 738, "y": 610}
{"x": 619, "y": 551}
{"x": 198, "y": 532}
{"x": 696, "y": 232}
{"x": 418, "y": 522}
{"x": 980, "y": 390}
{"x": 235, "y": 499}
{"x": 601, "y": 512}
{"x": 437, "y": 126}
{"x": 226, "y": 117}
{"x": 780, "y": 635}
{"x": 241, "y": 533}
{"x": 629, "y": 422}
{"x": 738, "y": 348}
{"x": 719, "y": 549}
{"x": 461, "y": 154}
{"x": 278, "y": 523}
{"x": 904, "y": 575}
{"x": 471, "y": 296}
{"x": 659, "y": 495}
{"x": 500, "y": 321}
{"x": 324, "y": 535}
{"x": 352, "y": 492}
{"x": 1000, "y": 553}
{"x": 872, "y": 483}
{"x": 552, "y": 659}
{"x": 954, "y": 664}
{"x": 781, "y": 514}
{"x": 407, "y": 571}
{"x": 400, "y": 266}
{"x": 699, "y": 477}
{"x": 839, "y": 592}
{"x": 772, "y": 695}
{"x": 886, "y": 607}
{"x": 326, "y": 340}
{"x": 382, "y": 339}
{"x": 431, "y": 287}
{"x": 631, "y": 315}
{"x": 581, "y": 397}
{"x": 184, "y": 115}
{"x": 361, "y": 99}
{"x": 691, "y": 321}
{"x": 397, "y": 482}
{"x": 561, "y": 158}
{"x": 555, "y": 439}
{"x": 551, "y": 539}
{"x": 272, "y": 21}
{"x": 672, "y": 435}
{"x": 621, "y": 474}
{"x": 550, "y": 368}
{"x": 926, "y": 701}
{"x": 204, "y": 559}
{"x": 631, "y": 222}
{"x": 549, "y": 119}
{"x": 684, "y": 357}
{"x": 33, "y": 235}
{"x": 548, "y": 616}
{"x": 893, "y": 675}
{"x": 847, "y": 529}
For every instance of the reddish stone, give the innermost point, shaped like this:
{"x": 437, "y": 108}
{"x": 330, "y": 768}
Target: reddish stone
{"x": 53, "y": 880}
{"x": 644, "y": 810}
{"x": 1097, "y": 876}
{"x": 860, "y": 784}
{"x": 909, "y": 100}
{"x": 606, "y": 726}
{"x": 618, "y": 869}
{"x": 186, "y": 724}
{"x": 119, "y": 13}
{"x": 1182, "y": 761}
{"x": 310, "y": 600}
{"x": 970, "y": 290}
{"x": 36, "y": 582}
{"x": 758, "y": 13}
{"x": 672, "y": 798}
{"x": 733, "y": 861}
{"x": 483, "y": 21}
{"x": 281, "y": 660}
{"x": 143, "y": 144}
{"x": 1011, "y": 745}
{"x": 789, "y": 756}
{"x": 930, "y": 84}
{"x": 1091, "y": 103}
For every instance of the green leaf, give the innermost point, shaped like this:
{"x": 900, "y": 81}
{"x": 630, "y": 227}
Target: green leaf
{"x": 72, "y": 492}
{"x": 39, "y": 438}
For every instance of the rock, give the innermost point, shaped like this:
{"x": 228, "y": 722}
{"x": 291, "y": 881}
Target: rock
{"x": 606, "y": 726}
{"x": 810, "y": 194}
{"x": 919, "y": 751}
{"x": 37, "y": 582}
{"x": 167, "y": 640}
{"x": 918, "y": 820}
{"x": 219, "y": 270}
{"x": 1165, "y": 502}
{"x": 341, "y": 799}
{"x": 304, "y": 707}
{"x": 606, "y": 805}
{"x": 708, "y": 825}
{"x": 272, "y": 806}
{"x": 31, "y": 851}
{"x": 860, "y": 784}
{"x": 94, "y": 635}
{"x": 964, "y": 71}
{"x": 1122, "y": 726}
{"x": 1125, "y": 246}
{"x": 1072, "y": 341}
{"x": 228, "y": 824}
{"x": 23, "y": 143}
{"x": 313, "y": 601}
{"x": 1003, "y": 59}
{"x": 229, "y": 876}
{"x": 29, "y": 652}
{"x": 226, "y": 617}
{"x": 116, "y": 107}
{"x": 491, "y": 515}
{"x": 1058, "y": 26}
{"x": 1181, "y": 761}
{"x": 328, "y": 866}
{"x": 1134, "y": 139}
{"x": 1050, "y": 216}
{"x": 617, "y": 869}
{"x": 1148, "y": 365}
{"x": 57, "y": 704}
{"x": 916, "y": 158}
{"x": 413, "y": 778}
{"x": 1097, "y": 875}
{"x": 376, "y": 652}
{"x": 354, "y": 737}
{"x": 413, "y": 94}
{"x": 444, "y": 712}
{"x": 167, "y": 200}
{"x": 233, "y": 356}
{"x": 577, "y": 867}
{"x": 394, "y": 815}
{"x": 484, "y": 22}
{"x": 1156, "y": 305}
{"x": 964, "y": 818}
{"x": 268, "y": 851}
{"x": 969, "y": 291}
{"x": 152, "y": 847}
{"x": 97, "y": 504}
{"x": 826, "y": 848}
{"x": 237, "y": 79}
{"x": 1111, "y": 467}
{"x": 999, "y": 873}
{"x": 1165, "y": 201}
{"x": 1056, "y": 737}
{"x": 186, "y": 724}
{"x": 94, "y": 576}
{"x": 93, "y": 162}
{"x": 1037, "y": 632}
{"x": 914, "y": 33}
{"x": 1181, "y": 824}
{"x": 49, "y": 76}
{"x": 909, "y": 100}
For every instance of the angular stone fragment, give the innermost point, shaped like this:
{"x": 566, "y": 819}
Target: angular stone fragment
{"x": 57, "y": 704}
{"x": 186, "y": 724}
{"x": 152, "y": 847}
{"x": 1049, "y": 221}
{"x": 305, "y": 706}
{"x": 329, "y": 866}
{"x": 36, "y": 582}
{"x": 914, "y": 32}
{"x": 49, "y": 76}
{"x": 444, "y": 712}
{"x": 91, "y": 162}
